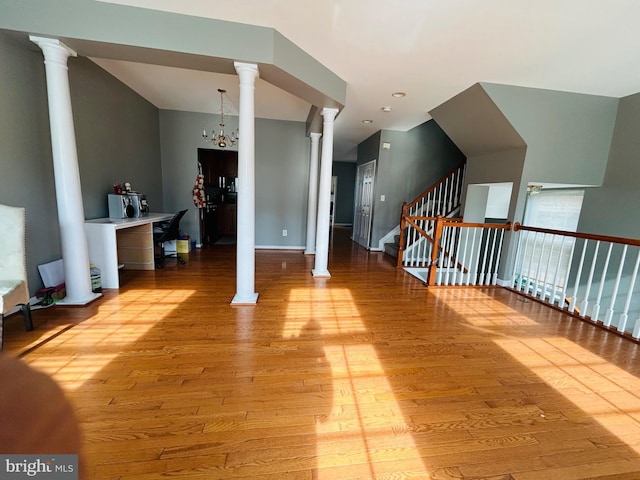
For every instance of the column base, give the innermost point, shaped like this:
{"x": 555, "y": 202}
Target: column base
{"x": 320, "y": 273}
{"x": 67, "y": 302}
{"x": 250, "y": 299}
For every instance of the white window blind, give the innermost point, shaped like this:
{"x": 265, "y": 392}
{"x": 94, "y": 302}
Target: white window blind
{"x": 554, "y": 209}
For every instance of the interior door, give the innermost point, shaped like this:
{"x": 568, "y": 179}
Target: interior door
{"x": 364, "y": 203}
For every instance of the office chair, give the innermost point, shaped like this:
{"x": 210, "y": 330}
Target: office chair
{"x": 165, "y": 232}
{"x": 14, "y": 290}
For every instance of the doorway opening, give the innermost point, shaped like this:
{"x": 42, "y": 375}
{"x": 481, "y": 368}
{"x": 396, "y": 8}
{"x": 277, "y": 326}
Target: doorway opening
{"x": 218, "y": 219}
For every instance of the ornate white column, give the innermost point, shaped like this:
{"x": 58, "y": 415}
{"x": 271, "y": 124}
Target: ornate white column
{"x": 67, "y": 175}
{"x": 324, "y": 195}
{"x": 246, "y": 202}
{"x": 312, "y": 202}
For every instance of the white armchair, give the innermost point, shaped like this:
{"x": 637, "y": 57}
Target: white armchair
{"x": 14, "y": 290}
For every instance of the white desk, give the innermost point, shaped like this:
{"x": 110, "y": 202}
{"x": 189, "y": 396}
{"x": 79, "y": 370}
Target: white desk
{"x": 116, "y": 243}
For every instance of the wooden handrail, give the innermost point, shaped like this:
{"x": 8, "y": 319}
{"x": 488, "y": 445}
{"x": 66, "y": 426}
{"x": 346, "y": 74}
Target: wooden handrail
{"x": 497, "y": 226}
{"x": 586, "y": 236}
{"x": 437, "y": 183}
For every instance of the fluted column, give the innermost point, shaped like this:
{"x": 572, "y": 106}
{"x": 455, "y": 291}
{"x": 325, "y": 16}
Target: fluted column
{"x": 246, "y": 201}
{"x": 66, "y": 172}
{"x": 312, "y": 203}
{"x": 324, "y": 194}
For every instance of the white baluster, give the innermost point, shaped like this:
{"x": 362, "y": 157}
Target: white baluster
{"x": 484, "y": 255}
{"x": 585, "y": 303}
{"x": 474, "y": 275}
{"x": 529, "y": 265}
{"x": 516, "y": 277}
{"x": 540, "y": 261}
{"x": 556, "y": 291}
{"x": 609, "y": 314}
{"x": 574, "y": 296}
{"x": 492, "y": 256}
{"x": 566, "y": 275}
{"x": 625, "y": 312}
{"x": 596, "y": 307}
{"x": 446, "y": 239}
{"x": 546, "y": 274}
{"x": 465, "y": 277}
{"x": 494, "y": 280}
{"x": 455, "y": 280}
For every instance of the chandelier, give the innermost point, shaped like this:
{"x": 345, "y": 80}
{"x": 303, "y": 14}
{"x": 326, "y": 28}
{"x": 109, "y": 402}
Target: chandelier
{"x": 221, "y": 139}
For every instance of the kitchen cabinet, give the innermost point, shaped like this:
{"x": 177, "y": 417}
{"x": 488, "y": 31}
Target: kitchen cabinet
{"x": 227, "y": 219}
{"x": 229, "y": 165}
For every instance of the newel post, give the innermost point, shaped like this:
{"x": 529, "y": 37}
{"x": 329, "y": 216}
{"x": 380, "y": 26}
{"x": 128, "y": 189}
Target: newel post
{"x": 433, "y": 264}
{"x": 403, "y": 227}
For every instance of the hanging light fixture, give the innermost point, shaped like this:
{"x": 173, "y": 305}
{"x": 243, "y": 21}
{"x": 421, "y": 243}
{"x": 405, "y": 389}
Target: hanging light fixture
{"x": 222, "y": 140}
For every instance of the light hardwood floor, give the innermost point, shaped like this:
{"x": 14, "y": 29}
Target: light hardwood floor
{"x": 364, "y": 375}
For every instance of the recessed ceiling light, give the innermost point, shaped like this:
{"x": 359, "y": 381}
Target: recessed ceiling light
{"x": 386, "y": 109}
{"x": 398, "y": 94}
{"x": 367, "y": 121}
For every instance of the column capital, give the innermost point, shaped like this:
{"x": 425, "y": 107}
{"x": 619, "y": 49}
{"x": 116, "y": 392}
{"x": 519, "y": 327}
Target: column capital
{"x": 53, "y": 49}
{"x": 315, "y": 137}
{"x": 247, "y": 71}
{"x": 329, "y": 114}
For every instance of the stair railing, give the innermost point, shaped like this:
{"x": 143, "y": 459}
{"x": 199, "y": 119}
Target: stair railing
{"x": 592, "y": 277}
{"x": 465, "y": 253}
{"x": 441, "y": 199}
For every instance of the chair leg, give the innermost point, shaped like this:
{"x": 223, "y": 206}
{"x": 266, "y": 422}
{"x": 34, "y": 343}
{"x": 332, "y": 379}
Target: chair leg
{"x": 26, "y": 313}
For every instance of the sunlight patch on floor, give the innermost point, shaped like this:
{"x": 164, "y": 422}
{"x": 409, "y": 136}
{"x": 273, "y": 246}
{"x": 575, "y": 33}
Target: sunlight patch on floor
{"x": 110, "y": 326}
{"x": 601, "y": 390}
{"x": 332, "y": 308}
{"x": 604, "y": 392}
{"x": 365, "y": 416}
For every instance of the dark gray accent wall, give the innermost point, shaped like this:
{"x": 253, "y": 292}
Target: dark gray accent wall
{"x": 116, "y": 133}
{"x": 26, "y": 166}
{"x": 346, "y": 173}
{"x": 282, "y": 174}
{"x": 117, "y": 138}
{"x": 414, "y": 161}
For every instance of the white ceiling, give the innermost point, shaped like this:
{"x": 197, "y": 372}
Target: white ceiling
{"x": 430, "y": 49}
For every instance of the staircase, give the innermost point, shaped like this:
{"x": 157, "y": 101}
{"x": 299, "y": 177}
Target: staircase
{"x": 412, "y": 246}
{"x": 392, "y": 248}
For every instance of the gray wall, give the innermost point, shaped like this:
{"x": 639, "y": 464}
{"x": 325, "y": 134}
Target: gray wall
{"x": 282, "y": 183}
{"x": 88, "y": 26}
{"x": 282, "y": 174}
{"x": 613, "y": 209}
{"x": 117, "y": 137}
{"x": 116, "y": 132}
{"x": 415, "y": 160}
{"x": 568, "y": 134}
{"x": 529, "y": 135}
{"x": 26, "y": 168}
{"x": 346, "y": 173}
